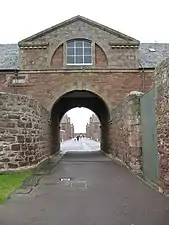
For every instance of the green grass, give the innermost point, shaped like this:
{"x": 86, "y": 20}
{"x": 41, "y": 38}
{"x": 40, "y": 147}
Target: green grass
{"x": 10, "y": 182}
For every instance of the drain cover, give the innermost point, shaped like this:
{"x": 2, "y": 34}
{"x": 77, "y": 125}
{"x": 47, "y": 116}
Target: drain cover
{"x": 65, "y": 179}
{"x": 78, "y": 184}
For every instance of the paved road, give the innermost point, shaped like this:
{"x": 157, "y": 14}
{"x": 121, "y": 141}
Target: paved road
{"x": 83, "y": 144}
{"x": 99, "y": 192}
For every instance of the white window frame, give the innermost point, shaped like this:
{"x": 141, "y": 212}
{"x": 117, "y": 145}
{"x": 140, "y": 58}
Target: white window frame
{"x": 74, "y": 56}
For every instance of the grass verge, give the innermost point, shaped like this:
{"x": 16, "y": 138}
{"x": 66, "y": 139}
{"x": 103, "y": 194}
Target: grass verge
{"x": 10, "y": 182}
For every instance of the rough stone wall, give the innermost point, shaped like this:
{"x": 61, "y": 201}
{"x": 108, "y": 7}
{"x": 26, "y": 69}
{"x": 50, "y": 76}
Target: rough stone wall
{"x": 24, "y": 132}
{"x": 6, "y": 81}
{"x": 118, "y": 58}
{"x": 125, "y": 132}
{"x": 111, "y": 86}
{"x": 162, "y": 112}
{"x": 34, "y": 58}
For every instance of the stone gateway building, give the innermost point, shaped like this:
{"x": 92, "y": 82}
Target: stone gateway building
{"x": 77, "y": 63}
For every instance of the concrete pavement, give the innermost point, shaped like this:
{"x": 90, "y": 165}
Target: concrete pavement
{"x": 83, "y": 144}
{"x": 87, "y": 188}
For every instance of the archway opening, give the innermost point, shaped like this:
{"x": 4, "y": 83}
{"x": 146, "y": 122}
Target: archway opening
{"x": 80, "y": 131}
{"x": 75, "y": 99}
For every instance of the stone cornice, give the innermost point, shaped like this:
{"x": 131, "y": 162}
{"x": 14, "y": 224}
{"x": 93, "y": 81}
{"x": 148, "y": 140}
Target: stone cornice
{"x": 81, "y": 71}
{"x": 43, "y": 45}
{"x": 124, "y": 45}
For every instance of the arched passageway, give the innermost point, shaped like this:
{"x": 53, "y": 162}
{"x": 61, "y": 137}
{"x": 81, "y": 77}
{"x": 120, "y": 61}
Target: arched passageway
{"x": 74, "y": 99}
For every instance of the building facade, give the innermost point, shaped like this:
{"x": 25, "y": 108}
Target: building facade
{"x": 66, "y": 128}
{"x": 93, "y": 128}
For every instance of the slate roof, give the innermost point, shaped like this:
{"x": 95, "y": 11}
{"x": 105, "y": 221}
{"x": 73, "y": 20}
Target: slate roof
{"x": 9, "y": 55}
{"x": 150, "y": 59}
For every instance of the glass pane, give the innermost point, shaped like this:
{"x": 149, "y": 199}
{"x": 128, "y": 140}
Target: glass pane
{"x": 87, "y": 44}
{"x": 70, "y": 44}
{"x": 70, "y": 51}
{"x": 87, "y": 59}
{"x": 87, "y": 51}
{"x": 70, "y": 59}
{"x": 79, "y": 43}
{"x": 79, "y": 51}
{"x": 79, "y": 59}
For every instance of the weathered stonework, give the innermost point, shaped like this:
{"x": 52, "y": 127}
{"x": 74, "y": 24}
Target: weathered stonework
{"x": 24, "y": 132}
{"x": 48, "y": 86}
{"x": 162, "y": 112}
{"x": 38, "y": 51}
{"x": 125, "y": 132}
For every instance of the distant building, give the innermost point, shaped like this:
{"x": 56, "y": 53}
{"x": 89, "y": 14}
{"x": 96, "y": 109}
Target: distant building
{"x": 93, "y": 128}
{"x": 66, "y": 128}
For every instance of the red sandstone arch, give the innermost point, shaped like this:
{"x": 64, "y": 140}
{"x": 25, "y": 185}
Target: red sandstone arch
{"x": 79, "y": 98}
{"x": 57, "y": 58}
{"x": 101, "y": 60}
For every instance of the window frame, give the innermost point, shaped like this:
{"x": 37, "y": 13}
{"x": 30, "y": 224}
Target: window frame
{"x": 83, "y": 55}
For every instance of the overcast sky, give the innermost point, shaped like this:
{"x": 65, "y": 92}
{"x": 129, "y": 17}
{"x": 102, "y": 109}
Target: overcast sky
{"x": 145, "y": 20}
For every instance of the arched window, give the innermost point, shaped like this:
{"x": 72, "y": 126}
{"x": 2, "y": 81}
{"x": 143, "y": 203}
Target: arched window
{"x": 79, "y": 52}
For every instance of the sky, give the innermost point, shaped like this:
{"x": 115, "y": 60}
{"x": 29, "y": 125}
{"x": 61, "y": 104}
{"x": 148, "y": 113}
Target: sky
{"x": 80, "y": 117}
{"x": 145, "y": 20}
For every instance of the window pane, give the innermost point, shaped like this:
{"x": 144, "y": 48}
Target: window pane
{"x": 70, "y": 51}
{"x": 79, "y": 51}
{"x": 79, "y": 59}
{"x": 87, "y": 51}
{"x": 70, "y": 44}
{"x": 87, "y": 59}
{"x": 79, "y": 43}
{"x": 70, "y": 59}
{"x": 87, "y": 44}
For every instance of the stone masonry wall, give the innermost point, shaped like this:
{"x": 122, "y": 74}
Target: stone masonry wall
{"x": 117, "y": 58}
{"x": 48, "y": 86}
{"x": 125, "y": 132}
{"x": 162, "y": 112}
{"x": 24, "y": 132}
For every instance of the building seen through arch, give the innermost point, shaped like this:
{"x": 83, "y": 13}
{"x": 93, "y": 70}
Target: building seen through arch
{"x": 66, "y": 128}
{"x": 93, "y": 128}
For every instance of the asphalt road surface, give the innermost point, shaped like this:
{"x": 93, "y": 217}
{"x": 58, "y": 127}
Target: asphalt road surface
{"x": 87, "y": 188}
